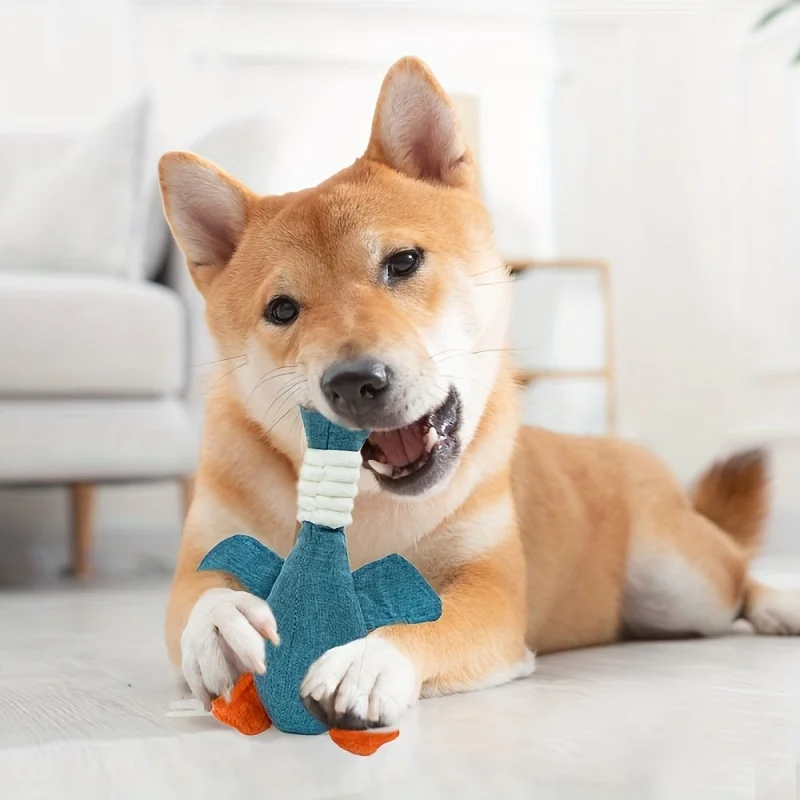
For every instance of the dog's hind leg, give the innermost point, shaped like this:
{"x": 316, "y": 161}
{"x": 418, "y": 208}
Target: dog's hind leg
{"x": 684, "y": 577}
{"x": 687, "y": 567}
{"x": 690, "y": 578}
{"x": 771, "y": 611}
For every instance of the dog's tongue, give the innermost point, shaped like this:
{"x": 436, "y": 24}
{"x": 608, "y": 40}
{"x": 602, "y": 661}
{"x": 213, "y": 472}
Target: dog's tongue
{"x": 401, "y": 447}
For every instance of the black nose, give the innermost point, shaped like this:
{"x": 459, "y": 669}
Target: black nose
{"x": 356, "y": 386}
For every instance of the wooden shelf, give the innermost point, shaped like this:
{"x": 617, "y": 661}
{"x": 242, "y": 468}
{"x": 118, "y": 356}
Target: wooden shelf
{"x": 528, "y": 376}
{"x": 516, "y": 266}
{"x": 607, "y": 374}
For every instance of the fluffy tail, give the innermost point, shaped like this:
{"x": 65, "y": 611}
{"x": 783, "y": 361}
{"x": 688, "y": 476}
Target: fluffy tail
{"x": 734, "y": 494}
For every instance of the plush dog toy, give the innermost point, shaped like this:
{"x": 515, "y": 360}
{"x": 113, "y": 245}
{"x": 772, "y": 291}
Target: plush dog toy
{"x": 317, "y": 601}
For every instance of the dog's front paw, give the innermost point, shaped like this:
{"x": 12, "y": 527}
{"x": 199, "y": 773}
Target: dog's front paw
{"x": 224, "y": 638}
{"x": 367, "y": 683}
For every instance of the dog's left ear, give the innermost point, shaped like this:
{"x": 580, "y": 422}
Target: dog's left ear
{"x": 416, "y": 129}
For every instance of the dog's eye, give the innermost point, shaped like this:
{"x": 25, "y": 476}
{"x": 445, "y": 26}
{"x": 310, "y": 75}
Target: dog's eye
{"x": 281, "y": 310}
{"x": 402, "y": 263}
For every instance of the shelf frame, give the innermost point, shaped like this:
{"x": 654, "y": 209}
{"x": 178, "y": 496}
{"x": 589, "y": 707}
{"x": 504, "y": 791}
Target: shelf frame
{"x": 607, "y": 373}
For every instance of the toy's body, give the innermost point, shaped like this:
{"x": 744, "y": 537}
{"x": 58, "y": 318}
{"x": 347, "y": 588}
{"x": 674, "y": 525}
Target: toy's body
{"x": 317, "y": 601}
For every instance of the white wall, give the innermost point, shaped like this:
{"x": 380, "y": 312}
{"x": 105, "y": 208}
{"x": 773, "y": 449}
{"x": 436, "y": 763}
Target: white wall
{"x": 677, "y": 148}
{"x": 312, "y": 68}
{"x": 663, "y": 137}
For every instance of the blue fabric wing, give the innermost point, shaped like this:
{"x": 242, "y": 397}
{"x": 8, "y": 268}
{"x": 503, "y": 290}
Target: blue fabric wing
{"x": 255, "y": 566}
{"x": 392, "y": 590}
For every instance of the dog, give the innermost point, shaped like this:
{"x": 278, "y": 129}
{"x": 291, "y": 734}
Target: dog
{"x": 380, "y": 299}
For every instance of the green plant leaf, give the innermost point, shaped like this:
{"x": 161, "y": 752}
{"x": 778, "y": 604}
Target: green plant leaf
{"x": 776, "y": 12}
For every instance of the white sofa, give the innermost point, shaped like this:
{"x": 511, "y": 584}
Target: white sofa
{"x": 97, "y": 360}
{"x": 92, "y": 373}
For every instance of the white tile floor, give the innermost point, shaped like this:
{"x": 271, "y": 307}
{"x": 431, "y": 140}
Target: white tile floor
{"x": 90, "y": 709}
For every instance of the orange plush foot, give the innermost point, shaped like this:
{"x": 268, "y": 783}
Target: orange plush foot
{"x": 362, "y": 743}
{"x": 244, "y": 712}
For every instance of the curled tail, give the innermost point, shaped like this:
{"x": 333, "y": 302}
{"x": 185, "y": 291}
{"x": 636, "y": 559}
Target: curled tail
{"x": 734, "y": 494}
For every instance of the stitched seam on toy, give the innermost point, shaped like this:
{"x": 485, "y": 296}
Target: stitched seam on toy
{"x": 328, "y": 486}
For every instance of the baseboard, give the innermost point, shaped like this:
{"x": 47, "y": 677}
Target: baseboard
{"x": 127, "y": 556}
{"x": 783, "y": 533}
{"x": 137, "y": 533}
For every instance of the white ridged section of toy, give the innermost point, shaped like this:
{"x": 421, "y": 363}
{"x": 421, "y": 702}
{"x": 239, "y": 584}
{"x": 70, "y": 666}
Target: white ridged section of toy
{"x": 328, "y": 486}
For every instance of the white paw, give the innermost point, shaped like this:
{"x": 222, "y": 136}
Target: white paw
{"x": 367, "y": 683}
{"x": 223, "y": 638}
{"x": 526, "y": 666}
{"x": 776, "y": 613}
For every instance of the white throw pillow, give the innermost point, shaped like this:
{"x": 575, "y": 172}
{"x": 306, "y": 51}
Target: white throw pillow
{"x": 80, "y": 211}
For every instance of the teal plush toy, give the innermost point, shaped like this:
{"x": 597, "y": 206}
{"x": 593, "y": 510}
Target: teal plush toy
{"x": 317, "y": 601}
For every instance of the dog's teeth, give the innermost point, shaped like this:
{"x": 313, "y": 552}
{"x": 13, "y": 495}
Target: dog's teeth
{"x": 431, "y": 437}
{"x": 381, "y": 469}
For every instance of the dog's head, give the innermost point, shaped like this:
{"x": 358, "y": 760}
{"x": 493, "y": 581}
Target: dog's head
{"x": 376, "y": 297}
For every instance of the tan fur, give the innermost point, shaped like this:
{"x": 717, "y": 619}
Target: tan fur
{"x": 536, "y": 539}
{"x": 733, "y": 494}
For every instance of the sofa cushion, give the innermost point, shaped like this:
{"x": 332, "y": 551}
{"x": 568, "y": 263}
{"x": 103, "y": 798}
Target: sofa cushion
{"x": 83, "y": 203}
{"x": 86, "y": 336}
{"x": 95, "y": 440}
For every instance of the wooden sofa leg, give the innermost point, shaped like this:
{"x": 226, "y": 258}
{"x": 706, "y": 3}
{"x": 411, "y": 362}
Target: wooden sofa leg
{"x": 187, "y": 489}
{"x": 83, "y": 505}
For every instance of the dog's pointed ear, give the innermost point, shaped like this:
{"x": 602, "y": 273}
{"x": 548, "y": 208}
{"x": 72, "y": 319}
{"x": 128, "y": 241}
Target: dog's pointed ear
{"x": 416, "y": 129}
{"x": 207, "y": 211}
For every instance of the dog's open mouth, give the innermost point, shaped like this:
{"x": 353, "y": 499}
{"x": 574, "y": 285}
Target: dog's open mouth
{"x": 412, "y": 459}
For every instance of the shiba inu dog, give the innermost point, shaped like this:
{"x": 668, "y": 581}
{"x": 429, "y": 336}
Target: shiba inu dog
{"x": 379, "y": 298}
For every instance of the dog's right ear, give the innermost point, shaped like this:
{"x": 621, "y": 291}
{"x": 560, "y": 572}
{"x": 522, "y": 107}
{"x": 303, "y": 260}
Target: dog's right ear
{"x": 207, "y": 211}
